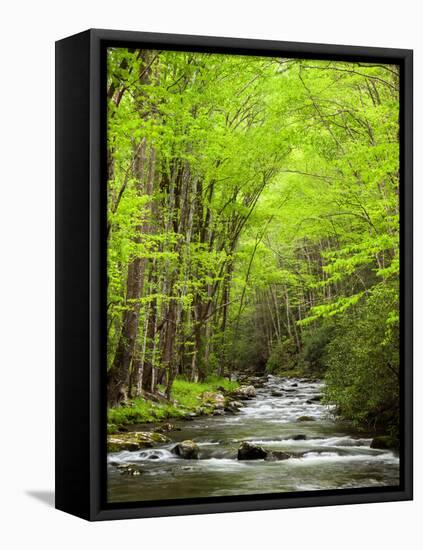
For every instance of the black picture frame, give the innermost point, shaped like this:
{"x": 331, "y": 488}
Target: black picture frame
{"x": 81, "y": 273}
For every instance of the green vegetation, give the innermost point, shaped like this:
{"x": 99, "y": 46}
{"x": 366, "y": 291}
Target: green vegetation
{"x": 366, "y": 387}
{"x": 187, "y": 398}
{"x": 252, "y": 225}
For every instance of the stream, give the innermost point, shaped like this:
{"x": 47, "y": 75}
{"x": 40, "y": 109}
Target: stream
{"x": 335, "y": 456}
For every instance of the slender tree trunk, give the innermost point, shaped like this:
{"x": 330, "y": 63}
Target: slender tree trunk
{"x": 119, "y": 371}
{"x": 225, "y": 314}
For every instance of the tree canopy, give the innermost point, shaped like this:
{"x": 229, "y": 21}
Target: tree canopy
{"x": 253, "y": 223}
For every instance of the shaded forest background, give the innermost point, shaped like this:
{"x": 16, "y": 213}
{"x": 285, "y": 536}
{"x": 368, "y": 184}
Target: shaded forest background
{"x": 253, "y": 209}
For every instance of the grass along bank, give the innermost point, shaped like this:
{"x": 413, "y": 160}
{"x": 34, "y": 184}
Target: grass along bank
{"x": 188, "y": 398}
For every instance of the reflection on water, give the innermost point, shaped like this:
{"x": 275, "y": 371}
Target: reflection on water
{"x": 334, "y": 456}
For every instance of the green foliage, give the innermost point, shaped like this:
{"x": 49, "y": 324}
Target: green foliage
{"x": 314, "y": 351}
{"x": 284, "y": 358}
{"x": 142, "y": 410}
{"x": 363, "y": 365}
{"x": 187, "y": 397}
{"x": 253, "y": 224}
{"x": 186, "y": 393}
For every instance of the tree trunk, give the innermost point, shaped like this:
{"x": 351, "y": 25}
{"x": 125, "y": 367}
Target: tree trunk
{"x": 119, "y": 371}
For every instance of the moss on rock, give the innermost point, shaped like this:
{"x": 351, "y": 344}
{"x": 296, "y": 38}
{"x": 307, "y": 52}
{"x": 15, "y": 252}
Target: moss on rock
{"x": 132, "y": 441}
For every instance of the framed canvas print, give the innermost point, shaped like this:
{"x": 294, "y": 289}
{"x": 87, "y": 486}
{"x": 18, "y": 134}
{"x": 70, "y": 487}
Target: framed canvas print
{"x": 234, "y": 274}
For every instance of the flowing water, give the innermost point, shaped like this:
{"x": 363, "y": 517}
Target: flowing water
{"x": 335, "y": 457}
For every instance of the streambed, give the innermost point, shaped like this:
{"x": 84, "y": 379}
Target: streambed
{"x": 334, "y": 456}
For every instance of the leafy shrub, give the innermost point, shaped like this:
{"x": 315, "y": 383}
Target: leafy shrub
{"x": 363, "y": 365}
{"x": 283, "y": 358}
{"x": 315, "y": 344}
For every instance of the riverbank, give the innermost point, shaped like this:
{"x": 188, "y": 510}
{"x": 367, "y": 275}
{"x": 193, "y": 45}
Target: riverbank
{"x": 189, "y": 399}
{"x": 214, "y": 397}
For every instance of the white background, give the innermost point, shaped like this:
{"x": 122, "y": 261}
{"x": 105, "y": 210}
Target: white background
{"x": 27, "y": 36}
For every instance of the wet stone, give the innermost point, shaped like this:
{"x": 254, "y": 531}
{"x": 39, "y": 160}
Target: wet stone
{"x": 129, "y": 469}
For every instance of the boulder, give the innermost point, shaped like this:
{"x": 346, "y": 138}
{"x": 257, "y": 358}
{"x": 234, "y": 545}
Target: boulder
{"x": 306, "y": 418}
{"x": 384, "y": 442}
{"x": 257, "y": 381}
{"x": 190, "y": 415}
{"x": 186, "y": 449}
{"x": 204, "y": 411}
{"x": 215, "y": 399}
{"x": 316, "y": 399}
{"x": 276, "y": 393}
{"x": 133, "y": 441}
{"x": 277, "y": 455}
{"x": 244, "y": 392}
{"x": 232, "y": 406}
{"x": 129, "y": 469}
{"x": 298, "y": 437}
{"x": 294, "y": 385}
{"x": 249, "y": 451}
{"x": 115, "y": 445}
{"x": 167, "y": 427}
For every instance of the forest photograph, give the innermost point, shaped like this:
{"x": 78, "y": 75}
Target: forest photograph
{"x": 253, "y": 261}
